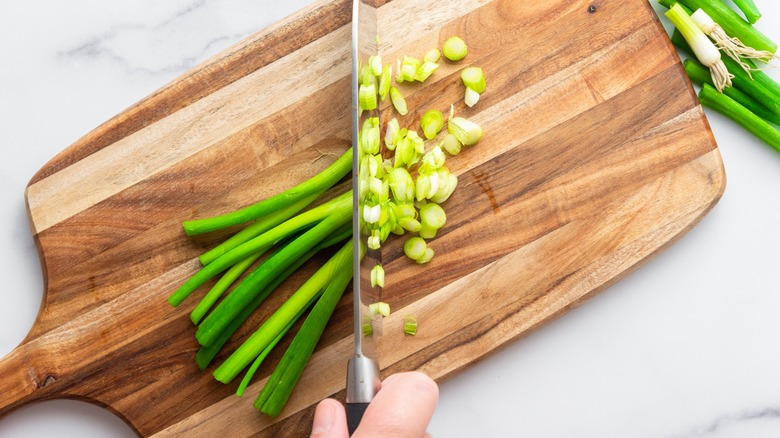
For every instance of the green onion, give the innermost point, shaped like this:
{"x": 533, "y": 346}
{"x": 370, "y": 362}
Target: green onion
{"x": 231, "y": 306}
{"x": 426, "y": 257}
{"x": 380, "y": 308}
{"x": 317, "y": 184}
{"x": 432, "y": 55}
{"x": 398, "y": 101}
{"x": 730, "y": 108}
{"x": 432, "y": 217}
{"x": 385, "y": 81}
{"x": 705, "y": 50}
{"x": 761, "y": 87}
{"x": 466, "y": 132}
{"x": 392, "y": 133}
{"x": 377, "y": 276}
{"x": 425, "y": 71}
{"x": 732, "y": 47}
{"x": 257, "y": 228}
{"x": 451, "y": 144}
{"x": 415, "y": 247}
{"x": 431, "y": 123}
{"x": 367, "y": 97}
{"x": 206, "y": 354}
{"x": 285, "y": 376}
{"x": 700, "y": 75}
{"x": 473, "y": 78}
{"x": 410, "y": 325}
{"x": 264, "y": 335}
{"x": 749, "y": 10}
{"x": 221, "y": 286}
{"x": 471, "y": 98}
{"x": 260, "y": 243}
{"x": 733, "y": 24}
{"x": 409, "y": 67}
{"x": 454, "y": 49}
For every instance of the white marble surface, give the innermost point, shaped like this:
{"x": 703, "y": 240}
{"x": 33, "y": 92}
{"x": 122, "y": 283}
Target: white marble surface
{"x": 688, "y": 346}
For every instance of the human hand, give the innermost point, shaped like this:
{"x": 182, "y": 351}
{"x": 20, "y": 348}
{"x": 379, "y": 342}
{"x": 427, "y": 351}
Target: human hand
{"x": 402, "y": 408}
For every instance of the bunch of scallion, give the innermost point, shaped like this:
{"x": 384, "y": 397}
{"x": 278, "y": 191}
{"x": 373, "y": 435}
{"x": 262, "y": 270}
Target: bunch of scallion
{"x": 733, "y": 85}
{"x": 398, "y": 194}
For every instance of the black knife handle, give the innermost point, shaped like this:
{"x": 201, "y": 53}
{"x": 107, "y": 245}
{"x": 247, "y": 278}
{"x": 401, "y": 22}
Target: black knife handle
{"x": 355, "y": 413}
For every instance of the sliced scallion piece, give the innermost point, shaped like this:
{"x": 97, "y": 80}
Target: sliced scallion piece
{"x": 465, "y": 131}
{"x": 454, "y": 49}
{"x": 431, "y": 123}
{"x": 410, "y": 325}
{"x": 415, "y": 247}
{"x": 398, "y": 101}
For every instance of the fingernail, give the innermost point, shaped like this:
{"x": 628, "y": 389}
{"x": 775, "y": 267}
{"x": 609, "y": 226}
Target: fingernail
{"x": 323, "y": 419}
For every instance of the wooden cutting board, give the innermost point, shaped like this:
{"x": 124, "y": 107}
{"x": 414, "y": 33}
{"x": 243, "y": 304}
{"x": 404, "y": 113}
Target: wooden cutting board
{"x": 596, "y": 156}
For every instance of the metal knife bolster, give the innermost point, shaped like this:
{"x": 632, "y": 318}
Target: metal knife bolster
{"x": 362, "y": 379}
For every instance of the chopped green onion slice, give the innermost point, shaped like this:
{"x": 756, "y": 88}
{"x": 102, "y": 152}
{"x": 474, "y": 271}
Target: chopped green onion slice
{"x": 425, "y": 71}
{"x": 451, "y": 144}
{"x": 378, "y": 276}
{"x": 472, "y": 97}
{"x": 432, "y": 122}
{"x": 380, "y": 308}
{"x": 473, "y": 78}
{"x": 467, "y": 132}
{"x": 432, "y": 55}
{"x": 410, "y": 325}
{"x": 426, "y": 257}
{"x": 375, "y": 64}
{"x": 398, "y": 101}
{"x": 367, "y": 97}
{"x": 392, "y": 134}
{"x": 385, "y": 81}
{"x": 415, "y": 247}
{"x": 409, "y": 67}
{"x": 454, "y": 49}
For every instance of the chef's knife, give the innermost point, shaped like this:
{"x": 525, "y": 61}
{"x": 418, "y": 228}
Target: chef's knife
{"x": 362, "y": 370}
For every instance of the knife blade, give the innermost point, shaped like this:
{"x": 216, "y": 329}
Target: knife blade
{"x": 362, "y": 369}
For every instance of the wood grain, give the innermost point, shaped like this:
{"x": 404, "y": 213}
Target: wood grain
{"x": 596, "y": 157}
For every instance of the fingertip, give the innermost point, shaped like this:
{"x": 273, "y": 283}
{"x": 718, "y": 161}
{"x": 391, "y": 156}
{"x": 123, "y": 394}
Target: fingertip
{"x": 330, "y": 421}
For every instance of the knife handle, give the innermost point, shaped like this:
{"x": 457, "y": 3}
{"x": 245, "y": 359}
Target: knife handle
{"x": 355, "y": 413}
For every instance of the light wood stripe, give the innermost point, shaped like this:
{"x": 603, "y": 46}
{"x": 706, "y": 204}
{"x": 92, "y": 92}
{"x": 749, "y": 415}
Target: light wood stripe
{"x": 185, "y": 132}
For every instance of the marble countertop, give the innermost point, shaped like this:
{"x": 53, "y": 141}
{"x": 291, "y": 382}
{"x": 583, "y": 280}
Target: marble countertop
{"x": 687, "y": 346}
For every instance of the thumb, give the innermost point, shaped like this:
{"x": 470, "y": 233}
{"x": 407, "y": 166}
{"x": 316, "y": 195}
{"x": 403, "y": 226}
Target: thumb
{"x": 330, "y": 420}
{"x": 401, "y": 409}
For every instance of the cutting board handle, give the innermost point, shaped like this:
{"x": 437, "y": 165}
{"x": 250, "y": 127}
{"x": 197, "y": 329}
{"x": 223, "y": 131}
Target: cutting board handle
{"x": 20, "y": 382}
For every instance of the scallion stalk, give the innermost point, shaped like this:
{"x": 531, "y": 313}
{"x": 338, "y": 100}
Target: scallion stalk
{"x": 231, "y": 306}
{"x": 206, "y": 354}
{"x": 733, "y": 110}
{"x": 257, "y": 228}
{"x": 260, "y": 243}
{"x": 317, "y": 184}
{"x": 749, "y": 10}
{"x": 282, "y": 381}
{"x": 258, "y": 341}
{"x": 221, "y": 286}
{"x": 701, "y": 75}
